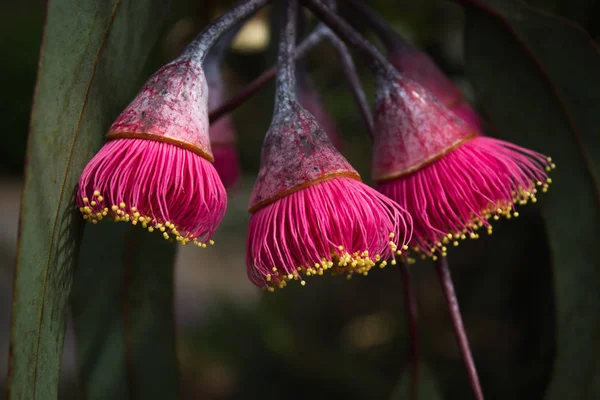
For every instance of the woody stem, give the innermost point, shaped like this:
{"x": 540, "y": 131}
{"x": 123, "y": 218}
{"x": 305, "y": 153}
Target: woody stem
{"x": 206, "y": 39}
{"x": 379, "y": 65}
{"x": 351, "y": 75}
{"x": 441, "y": 264}
{"x": 385, "y": 33}
{"x": 285, "y": 82}
{"x": 259, "y": 83}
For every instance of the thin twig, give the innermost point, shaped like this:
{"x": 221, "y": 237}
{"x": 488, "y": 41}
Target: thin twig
{"x": 202, "y": 43}
{"x": 410, "y": 302}
{"x": 388, "y": 36}
{"x": 379, "y": 65}
{"x": 351, "y": 75}
{"x": 441, "y": 265}
{"x": 256, "y": 85}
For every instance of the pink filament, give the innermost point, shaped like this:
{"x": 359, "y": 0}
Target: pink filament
{"x": 309, "y": 226}
{"x": 164, "y": 183}
{"x": 227, "y": 164}
{"x": 465, "y": 187}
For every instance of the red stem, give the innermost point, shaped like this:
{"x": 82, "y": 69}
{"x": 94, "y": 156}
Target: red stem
{"x": 441, "y": 265}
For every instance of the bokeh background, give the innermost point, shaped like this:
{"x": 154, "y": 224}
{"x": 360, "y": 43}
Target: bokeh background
{"x": 333, "y": 338}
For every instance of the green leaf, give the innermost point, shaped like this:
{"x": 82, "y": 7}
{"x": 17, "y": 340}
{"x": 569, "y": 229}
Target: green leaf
{"x": 537, "y": 76}
{"x": 97, "y": 306}
{"x": 149, "y": 317}
{"x": 92, "y": 52}
{"x": 122, "y": 306}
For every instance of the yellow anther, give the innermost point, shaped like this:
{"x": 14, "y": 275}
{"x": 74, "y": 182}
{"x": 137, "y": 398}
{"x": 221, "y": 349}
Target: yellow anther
{"x": 166, "y": 235}
{"x": 392, "y": 235}
{"x": 122, "y": 205}
{"x": 87, "y": 210}
{"x": 85, "y": 217}
{"x": 405, "y": 247}
{"x": 274, "y": 269}
{"x": 93, "y": 203}
{"x": 455, "y": 243}
{"x": 100, "y": 198}
{"x": 268, "y": 277}
{"x": 290, "y": 276}
{"x": 94, "y": 221}
{"x": 340, "y": 248}
{"x": 393, "y": 262}
{"x": 211, "y": 242}
{"x": 96, "y": 193}
{"x": 114, "y": 208}
{"x": 399, "y": 252}
{"x": 434, "y": 258}
{"x": 203, "y": 245}
{"x": 303, "y": 282}
{"x": 136, "y": 214}
{"x": 85, "y": 200}
{"x": 516, "y": 214}
{"x": 133, "y": 209}
{"x": 150, "y": 229}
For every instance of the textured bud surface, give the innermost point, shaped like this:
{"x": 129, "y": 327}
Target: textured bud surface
{"x": 296, "y": 153}
{"x": 171, "y": 107}
{"x": 412, "y": 129}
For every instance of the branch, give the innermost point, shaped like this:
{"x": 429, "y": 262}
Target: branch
{"x": 441, "y": 264}
{"x": 202, "y": 43}
{"x": 351, "y": 75}
{"x": 285, "y": 82}
{"x": 256, "y": 85}
{"x": 388, "y": 36}
{"x": 379, "y": 65}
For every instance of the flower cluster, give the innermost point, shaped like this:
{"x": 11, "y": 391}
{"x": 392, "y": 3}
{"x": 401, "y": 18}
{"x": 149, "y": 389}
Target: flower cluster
{"x": 438, "y": 180}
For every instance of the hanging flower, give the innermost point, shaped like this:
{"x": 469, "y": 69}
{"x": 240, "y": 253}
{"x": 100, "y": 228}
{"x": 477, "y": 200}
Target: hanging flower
{"x": 156, "y": 168}
{"x": 311, "y": 213}
{"x": 448, "y": 177}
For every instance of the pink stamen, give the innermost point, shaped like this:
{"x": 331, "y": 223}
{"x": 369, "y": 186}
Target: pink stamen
{"x": 156, "y": 184}
{"x": 455, "y": 195}
{"x": 339, "y": 224}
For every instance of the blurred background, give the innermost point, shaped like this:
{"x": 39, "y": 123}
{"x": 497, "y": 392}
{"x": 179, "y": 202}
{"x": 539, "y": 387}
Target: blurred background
{"x": 333, "y": 338}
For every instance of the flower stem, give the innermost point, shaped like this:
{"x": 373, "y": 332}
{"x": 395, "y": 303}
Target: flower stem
{"x": 256, "y": 85}
{"x": 351, "y": 75}
{"x": 389, "y": 37}
{"x": 379, "y": 65}
{"x": 285, "y": 82}
{"x": 410, "y": 302}
{"x": 200, "y": 46}
{"x": 441, "y": 265}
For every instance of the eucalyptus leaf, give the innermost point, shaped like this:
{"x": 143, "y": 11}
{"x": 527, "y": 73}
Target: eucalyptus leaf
{"x": 92, "y": 52}
{"x": 537, "y": 77}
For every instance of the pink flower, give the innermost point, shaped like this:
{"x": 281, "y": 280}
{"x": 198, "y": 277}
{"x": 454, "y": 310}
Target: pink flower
{"x": 310, "y": 211}
{"x": 156, "y": 169}
{"x": 448, "y": 177}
